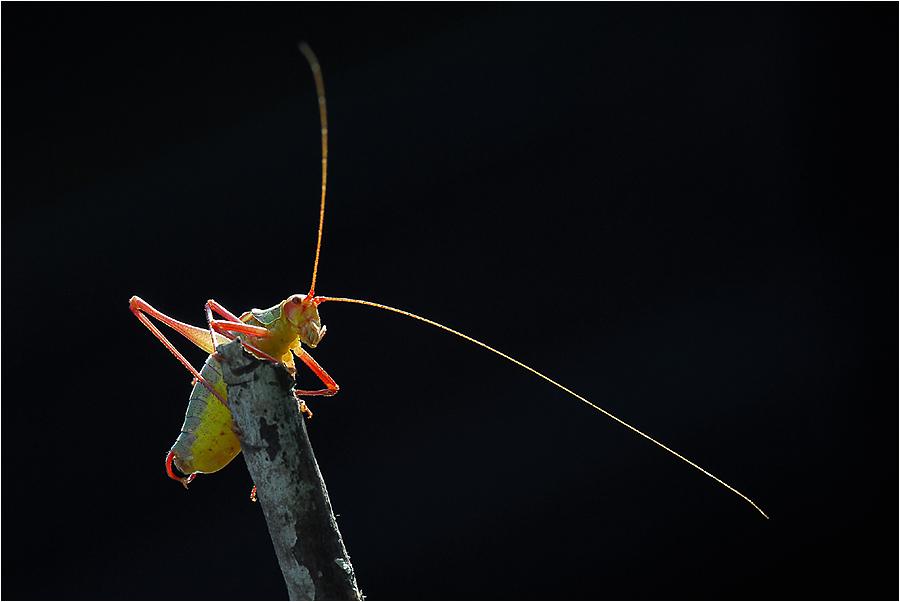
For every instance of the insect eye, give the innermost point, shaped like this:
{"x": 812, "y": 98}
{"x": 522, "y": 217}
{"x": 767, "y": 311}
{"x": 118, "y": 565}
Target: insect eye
{"x": 296, "y": 300}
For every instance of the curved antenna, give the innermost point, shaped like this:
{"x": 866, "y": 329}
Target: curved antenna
{"x": 548, "y": 379}
{"x": 323, "y": 117}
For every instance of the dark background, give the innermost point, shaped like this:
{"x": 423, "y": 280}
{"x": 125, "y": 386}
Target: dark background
{"x": 685, "y": 213}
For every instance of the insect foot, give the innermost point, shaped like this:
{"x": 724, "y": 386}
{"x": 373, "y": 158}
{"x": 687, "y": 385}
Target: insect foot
{"x": 302, "y": 406}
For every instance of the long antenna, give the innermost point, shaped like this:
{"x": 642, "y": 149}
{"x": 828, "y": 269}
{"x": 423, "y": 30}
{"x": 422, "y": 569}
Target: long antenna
{"x": 548, "y": 379}
{"x": 323, "y": 117}
{"x": 320, "y": 89}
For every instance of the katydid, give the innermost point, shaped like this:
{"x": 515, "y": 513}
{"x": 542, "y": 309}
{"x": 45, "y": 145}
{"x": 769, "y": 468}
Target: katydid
{"x": 207, "y": 442}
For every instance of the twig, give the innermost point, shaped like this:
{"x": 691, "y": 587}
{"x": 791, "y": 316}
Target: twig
{"x": 291, "y": 490}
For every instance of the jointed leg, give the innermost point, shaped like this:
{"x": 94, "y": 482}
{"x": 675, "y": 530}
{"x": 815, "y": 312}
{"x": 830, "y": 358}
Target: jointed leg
{"x": 323, "y": 376}
{"x": 227, "y": 328}
{"x": 332, "y": 387}
{"x": 139, "y": 307}
{"x": 184, "y": 480}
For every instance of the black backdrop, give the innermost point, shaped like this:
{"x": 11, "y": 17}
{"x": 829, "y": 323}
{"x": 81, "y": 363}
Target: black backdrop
{"x": 685, "y": 213}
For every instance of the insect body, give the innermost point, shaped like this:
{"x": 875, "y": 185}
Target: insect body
{"x": 207, "y": 442}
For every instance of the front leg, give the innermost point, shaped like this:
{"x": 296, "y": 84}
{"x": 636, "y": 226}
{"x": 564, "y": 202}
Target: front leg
{"x": 332, "y": 387}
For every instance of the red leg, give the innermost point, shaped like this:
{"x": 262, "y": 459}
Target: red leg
{"x": 232, "y": 325}
{"x": 184, "y": 480}
{"x": 193, "y": 333}
{"x": 222, "y": 311}
{"x": 198, "y": 336}
{"x": 320, "y": 372}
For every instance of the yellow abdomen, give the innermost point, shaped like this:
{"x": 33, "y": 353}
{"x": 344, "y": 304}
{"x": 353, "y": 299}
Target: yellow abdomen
{"x": 206, "y": 443}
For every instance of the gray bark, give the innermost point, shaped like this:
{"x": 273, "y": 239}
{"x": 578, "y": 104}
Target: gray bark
{"x": 290, "y": 487}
